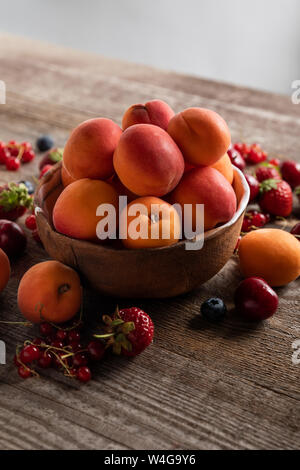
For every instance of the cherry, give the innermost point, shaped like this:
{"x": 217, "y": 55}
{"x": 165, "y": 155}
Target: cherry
{"x": 12, "y": 164}
{"x": 73, "y": 335}
{"x": 46, "y": 329}
{"x": 246, "y": 226}
{"x": 255, "y": 300}
{"x": 29, "y": 354}
{"x": 259, "y": 220}
{"x": 24, "y": 372}
{"x": 253, "y": 185}
{"x": 61, "y": 335}
{"x": 296, "y": 231}
{"x": 236, "y": 159}
{"x": 291, "y": 172}
{"x": 84, "y": 374}
{"x": 96, "y": 350}
{"x": 12, "y": 238}
{"x": 37, "y": 341}
{"x": 30, "y": 222}
{"x": 45, "y": 361}
{"x": 80, "y": 359}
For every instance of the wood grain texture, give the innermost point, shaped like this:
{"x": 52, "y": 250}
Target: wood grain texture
{"x": 229, "y": 386}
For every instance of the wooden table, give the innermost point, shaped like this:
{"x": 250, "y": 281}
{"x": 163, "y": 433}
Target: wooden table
{"x": 199, "y": 386}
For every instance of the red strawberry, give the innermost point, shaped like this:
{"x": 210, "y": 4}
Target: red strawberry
{"x": 14, "y": 201}
{"x": 291, "y": 172}
{"x": 51, "y": 157}
{"x": 267, "y": 172}
{"x": 276, "y": 197}
{"x": 129, "y": 331}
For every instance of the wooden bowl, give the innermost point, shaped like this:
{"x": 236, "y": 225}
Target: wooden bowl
{"x": 155, "y": 273}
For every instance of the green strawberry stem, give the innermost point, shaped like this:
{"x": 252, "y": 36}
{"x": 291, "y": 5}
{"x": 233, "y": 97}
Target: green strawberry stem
{"x": 16, "y": 195}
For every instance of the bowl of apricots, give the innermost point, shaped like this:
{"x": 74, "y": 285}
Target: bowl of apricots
{"x": 152, "y": 209}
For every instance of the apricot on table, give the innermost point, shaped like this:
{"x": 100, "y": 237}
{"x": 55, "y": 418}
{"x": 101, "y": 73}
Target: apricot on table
{"x": 148, "y": 161}
{"x": 205, "y": 185}
{"x": 201, "y": 134}
{"x": 155, "y": 112}
{"x": 49, "y": 291}
{"x": 272, "y": 254}
{"x": 155, "y": 225}
{"x": 89, "y": 150}
{"x": 4, "y": 270}
{"x": 75, "y": 210}
{"x": 225, "y": 167}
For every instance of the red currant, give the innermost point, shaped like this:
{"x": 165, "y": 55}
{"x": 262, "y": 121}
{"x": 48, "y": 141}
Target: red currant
{"x": 28, "y": 156}
{"x": 274, "y": 161}
{"x": 12, "y": 164}
{"x": 73, "y": 335}
{"x": 259, "y": 220}
{"x": 24, "y": 372}
{"x": 29, "y": 354}
{"x": 30, "y": 222}
{"x": 96, "y": 350}
{"x": 61, "y": 335}
{"x": 80, "y": 359}
{"x": 45, "y": 361}
{"x": 84, "y": 374}
{"x": 46, "y": 329}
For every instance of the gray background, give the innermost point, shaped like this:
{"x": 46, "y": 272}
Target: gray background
{"x": 254, "y": 43}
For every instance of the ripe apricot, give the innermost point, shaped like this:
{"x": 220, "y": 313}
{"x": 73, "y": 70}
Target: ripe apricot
{"x": 272, "y": 254}
{"x": 74, "y": 213}
{"x": 159, "y": 222}
{"x": 4, "y": 270}
{"x": 66, "y": 178}
{"x": 49, "y": 291}
{"x": 201, "y": 134}
{"x": 89, "y": 150}
{"x": 205, "y": 185}
{"x": 121, "y": 189}
{"x": 147, "y": 160}
{"x": 155, "y": 112}
{"x": 225, "y": 167}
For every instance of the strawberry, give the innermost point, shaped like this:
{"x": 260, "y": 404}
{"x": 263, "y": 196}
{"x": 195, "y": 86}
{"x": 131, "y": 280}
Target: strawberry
{"x": 14, "y": 201}
{"x": 297, "y": 192}
{"x": 276, "y": 197}
{"x": 129, "y": 331}
{"x": 291, "y": 172}
{"x": 51, "y": 157}
{"x": 266, "y": 172}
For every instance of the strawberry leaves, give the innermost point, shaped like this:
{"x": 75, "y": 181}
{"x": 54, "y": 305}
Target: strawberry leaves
{"x": 14, "y": 196}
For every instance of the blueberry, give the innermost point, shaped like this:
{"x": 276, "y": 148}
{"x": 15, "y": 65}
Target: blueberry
{"x": 30, "y": 186}
{"x": 214, "y": 309}
{"x": 45, "y": 142}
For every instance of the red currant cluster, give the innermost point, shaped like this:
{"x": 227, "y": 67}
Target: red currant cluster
{"x": 255, "y": 219}
{"x": 12, "y": 154}
{"x": 61, "y": 349}
{"x": 251, "y": 154}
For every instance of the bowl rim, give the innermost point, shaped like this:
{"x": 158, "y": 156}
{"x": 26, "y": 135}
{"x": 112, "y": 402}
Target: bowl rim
{"x": 210, "y": 234}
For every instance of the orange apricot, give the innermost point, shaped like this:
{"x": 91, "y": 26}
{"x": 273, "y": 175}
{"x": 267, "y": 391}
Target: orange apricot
{"x": 147, "y": 160}
{"x": 201, "y": 134}
{"x": 272, "y": 254}
{"x": 75, "y": 211}
{"x": 225, "y": 167}
{"x": 156, "y": 224}
{"x": 155, "y": 112}
{"x": 89, "y": 150}
{"x": 49, "y": 291}
{"x": 207, "y": 186}
{"x": 66, "y": 178}
{"x": 4, "y": 270}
